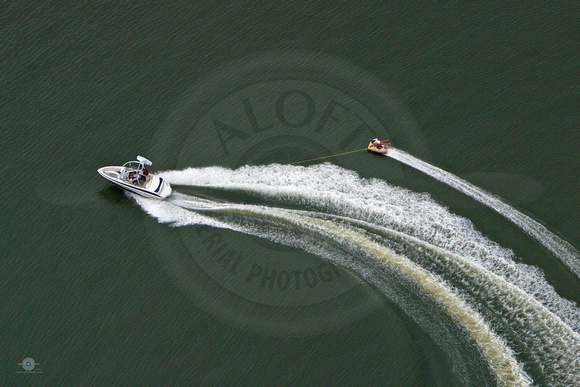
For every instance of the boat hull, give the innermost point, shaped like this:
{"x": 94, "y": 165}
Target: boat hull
{"x": 157, "y": 188}
{"x": 382, "y": 151}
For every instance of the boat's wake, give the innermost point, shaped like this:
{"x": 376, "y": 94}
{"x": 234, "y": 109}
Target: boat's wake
{"x": 563, "y": 250}
{"x": 407, "y": 246}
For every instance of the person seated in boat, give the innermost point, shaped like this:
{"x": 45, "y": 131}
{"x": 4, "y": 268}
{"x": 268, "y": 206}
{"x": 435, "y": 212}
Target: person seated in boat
{"x": 381, "y": 144}
{"x": 134, "y": 178}
{"x": 377, "y": 143}
{"x": 142, "y": 177}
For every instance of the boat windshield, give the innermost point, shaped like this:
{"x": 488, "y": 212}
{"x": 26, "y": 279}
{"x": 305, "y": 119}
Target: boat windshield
{"x": 132, "y": 172}
{"x": 133, "y": 166}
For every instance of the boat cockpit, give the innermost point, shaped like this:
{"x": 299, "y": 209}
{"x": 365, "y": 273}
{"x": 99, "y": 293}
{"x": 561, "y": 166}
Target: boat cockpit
{"x": 134, "y": 172}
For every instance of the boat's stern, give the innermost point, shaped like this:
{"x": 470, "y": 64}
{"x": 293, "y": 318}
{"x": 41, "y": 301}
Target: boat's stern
{"x": 165, "y": 190}
{"x": 157, "y": 187}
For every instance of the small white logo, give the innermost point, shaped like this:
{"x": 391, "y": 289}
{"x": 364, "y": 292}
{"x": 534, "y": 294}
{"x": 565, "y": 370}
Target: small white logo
{"x": 29, "y": 366}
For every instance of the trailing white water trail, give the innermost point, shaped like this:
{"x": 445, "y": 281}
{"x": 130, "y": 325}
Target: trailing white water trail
{"x": 497, "y": 354}
{"x": 556, "y": 245}
{"x": 514, "y": 299}
{"x": 330, "y": 189}
{"x": 527, "y": 325}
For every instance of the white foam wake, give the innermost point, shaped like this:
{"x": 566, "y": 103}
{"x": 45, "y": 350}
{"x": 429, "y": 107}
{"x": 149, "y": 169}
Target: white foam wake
{"x": 329, "y": 189}
{"x": 526, "y": 324}
{"x": 497, "y": 354}
{"x": 559, "y": 247}
{"x": 474, "y": 279}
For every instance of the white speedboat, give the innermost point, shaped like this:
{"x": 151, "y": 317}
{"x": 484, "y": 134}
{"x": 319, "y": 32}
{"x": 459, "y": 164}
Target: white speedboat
{"x": 133, "y": 176}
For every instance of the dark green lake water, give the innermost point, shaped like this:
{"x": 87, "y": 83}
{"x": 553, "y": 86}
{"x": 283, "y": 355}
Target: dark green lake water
{"x": 97, "y": 292}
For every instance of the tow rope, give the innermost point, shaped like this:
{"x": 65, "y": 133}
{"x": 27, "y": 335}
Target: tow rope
{"x": 326, "y": 157}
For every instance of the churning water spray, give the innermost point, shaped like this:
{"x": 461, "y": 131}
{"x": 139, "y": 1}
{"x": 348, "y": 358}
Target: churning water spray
{"x": 556, "y": 245}
{"x": 385, "y": 229}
